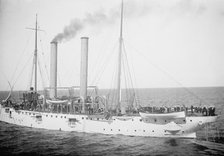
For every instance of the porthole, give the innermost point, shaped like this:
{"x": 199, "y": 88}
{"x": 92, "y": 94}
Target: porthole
{"x": 165, "y": 120}
{"x": 61, "y": 116}
{"x": 132, "y": 119}
{"x": 56, "y": 116}
{"x": 119, "y": 130}
{"x": 90, "y": 118}
{"x": 97, "y": 118}
{"x": 104, "y": 129}
{"x": 65, "y": 117}
{"x": 46, "y": 115}
{"x": 155, "y": 120}
{"x": 82, "y": 117}
{"x": 140, "y": 120}
{"x": 29, "y": 113}
{"x": 190, "y": 120}
{"x": 51, "y": 115}
{"x": 152, "y": 130}
{"x": 184, "y": 120}
{"x": 182, "y": 131}
{"x": 86, "y": 118}
{"x": 111, "y": 129}
{"x": 143, "y": 130}
{"x": 135, "y": 130}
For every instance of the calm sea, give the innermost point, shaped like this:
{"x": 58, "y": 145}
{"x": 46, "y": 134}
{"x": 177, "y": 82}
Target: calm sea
{"x": 210, "y": 140}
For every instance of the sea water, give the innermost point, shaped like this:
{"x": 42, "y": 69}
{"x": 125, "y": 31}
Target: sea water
{"x": 210, "y": 140}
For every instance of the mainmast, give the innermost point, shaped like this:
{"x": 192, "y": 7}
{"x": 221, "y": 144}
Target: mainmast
{"x": 119, "y": 63}
{"x": 35, "y": 57}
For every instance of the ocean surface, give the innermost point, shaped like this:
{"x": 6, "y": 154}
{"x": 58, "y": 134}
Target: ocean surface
{"x": 210, "y": 140}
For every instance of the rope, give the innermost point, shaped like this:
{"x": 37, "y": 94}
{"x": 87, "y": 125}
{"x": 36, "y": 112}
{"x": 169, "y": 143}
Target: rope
{"x": 21, "y": 72}
{"x": 41, "y": 73}
{"x": 167, "y": 74}
{"x": 104, "y": 65}
{"x": 2, "y": 73}
{"x": 44, "y": 59}
{"x": 31, "y": 75}
{"x": 129, "y": 72}
{"x": 17, "y": 64}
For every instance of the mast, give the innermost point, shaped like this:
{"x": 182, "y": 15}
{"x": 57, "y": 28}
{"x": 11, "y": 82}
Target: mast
{"x": 119, "y": 63}
{"x": 35, "y": 56}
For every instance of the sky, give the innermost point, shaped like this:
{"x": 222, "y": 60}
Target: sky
{"x": 168, "y": 43}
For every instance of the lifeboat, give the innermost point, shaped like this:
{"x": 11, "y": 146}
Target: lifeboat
{"x": 171, "y": 115}
{"x": 56, "y": 101}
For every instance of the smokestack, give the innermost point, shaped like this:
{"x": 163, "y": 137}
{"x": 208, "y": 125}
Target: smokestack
{"x": 84, "y": 70}
{"x": 53, "y": 70}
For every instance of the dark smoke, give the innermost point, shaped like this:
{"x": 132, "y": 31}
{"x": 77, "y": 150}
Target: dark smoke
{"x": 99, "y": 17}
{"x": 77, "y": 25}
{"x": 132, "y": 9}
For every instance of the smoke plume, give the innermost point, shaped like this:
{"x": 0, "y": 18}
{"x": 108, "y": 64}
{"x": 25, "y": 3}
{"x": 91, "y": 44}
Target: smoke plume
{"x": 77, "y": 25}
{"x": 97, "y": 18}
{"x": 132, "y": 9}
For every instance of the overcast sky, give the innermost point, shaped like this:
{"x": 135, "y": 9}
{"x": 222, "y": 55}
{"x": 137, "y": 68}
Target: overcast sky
{"x": 169, "y": 43}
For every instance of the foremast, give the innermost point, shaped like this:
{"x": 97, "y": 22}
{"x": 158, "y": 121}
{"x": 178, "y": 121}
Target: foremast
{"x": 119, "y": 63}
{"x": 35, "y": 58}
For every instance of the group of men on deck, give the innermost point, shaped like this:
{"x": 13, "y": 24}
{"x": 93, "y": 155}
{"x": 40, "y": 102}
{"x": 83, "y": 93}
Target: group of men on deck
{"x": 206, "y": 111}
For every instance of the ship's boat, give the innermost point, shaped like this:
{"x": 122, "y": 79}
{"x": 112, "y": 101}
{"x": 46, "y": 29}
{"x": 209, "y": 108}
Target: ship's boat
{"x": 56, "y": 101}
{"x": 171, "y": 115}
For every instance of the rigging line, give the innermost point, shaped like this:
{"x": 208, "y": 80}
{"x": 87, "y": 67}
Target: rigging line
{"x": 44, "y": 58}
{"x": 132, "y": 85}
{"x": 21, "y": 71}
{"x": 31, "y": 75}
{"x": 166, "y": 73}
{"x": 17, "y": 64}
{"x": 41, "y": 74}
{"x": 126, "y": 90}
{"x": 99, "y": 58}
{"x": 112, "y": 91}
{"x": 126, "y": 78}
{"x": 104, "y": 65}
{"x": 129, "y": 87}
{"x": 41, "y": 67}
{"x": 2, "y": 73}
{"x": 113, "y": 84}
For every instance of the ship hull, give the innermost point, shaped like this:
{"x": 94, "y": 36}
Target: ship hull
{"x": 131, "y": 125}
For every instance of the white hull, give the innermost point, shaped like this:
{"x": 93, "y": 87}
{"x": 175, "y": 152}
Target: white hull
{"x": 133, "y": 126}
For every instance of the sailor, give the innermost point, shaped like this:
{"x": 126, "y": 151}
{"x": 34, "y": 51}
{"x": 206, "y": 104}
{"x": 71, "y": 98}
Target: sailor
{"x": 186, "y": 110}
{"x": 209, "y": 111}
{"x": 192, "y": 109}
{"x": 213, "y": 111}
{"x": 88, "y": 107}
{"x": 168, "y": 109}
{"x": 204, "y": 111}
{"x": 178, "y": 109}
